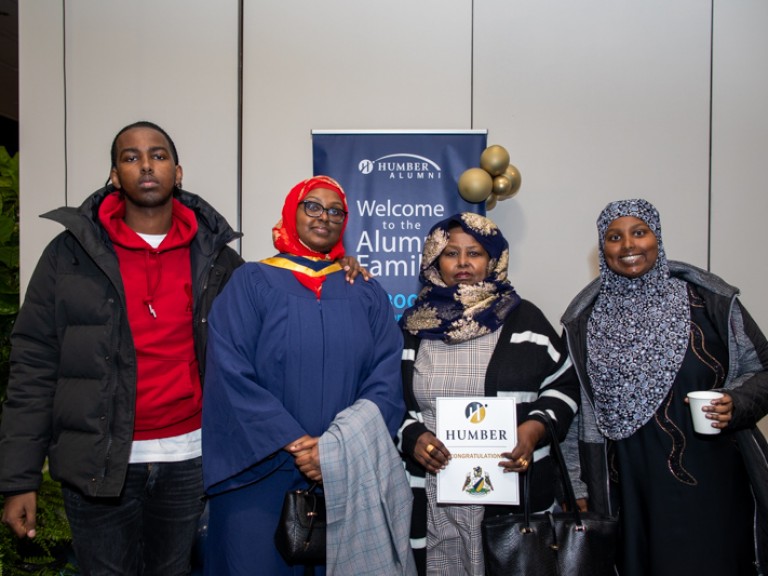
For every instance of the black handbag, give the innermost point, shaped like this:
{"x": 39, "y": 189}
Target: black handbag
{"x": 569, "y": 543}
{"x": 300, "y": 534}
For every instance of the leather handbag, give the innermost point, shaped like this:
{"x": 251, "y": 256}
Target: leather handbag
{"x": 571, "y": 543}
{"x": 300, "y": 534}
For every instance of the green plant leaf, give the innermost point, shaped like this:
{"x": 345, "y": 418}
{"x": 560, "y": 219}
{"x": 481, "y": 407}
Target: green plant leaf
{"x": 9, "y": 275}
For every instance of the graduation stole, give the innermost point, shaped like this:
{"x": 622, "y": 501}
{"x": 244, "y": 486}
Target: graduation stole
{"x": 311, "y": 274}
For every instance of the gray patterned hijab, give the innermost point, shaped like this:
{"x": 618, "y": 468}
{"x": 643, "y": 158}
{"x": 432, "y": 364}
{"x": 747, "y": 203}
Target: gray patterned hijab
{"x": 637, "y": 334}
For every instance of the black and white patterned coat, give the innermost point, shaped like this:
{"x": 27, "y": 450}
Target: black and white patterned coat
{"x": 530, "y": 363}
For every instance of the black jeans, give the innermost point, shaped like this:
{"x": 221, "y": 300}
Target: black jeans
{"x": 149, "y": 529}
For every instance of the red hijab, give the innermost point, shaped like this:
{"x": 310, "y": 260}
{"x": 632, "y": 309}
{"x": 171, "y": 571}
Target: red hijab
{"x": 286, "y": 239}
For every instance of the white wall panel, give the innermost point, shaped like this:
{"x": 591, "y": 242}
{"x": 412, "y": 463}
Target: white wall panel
{"x": 41, "y": 126}
{"x": 173, "y": 63}
{"x": 342, "y": 64}
{"x": 740, "y": 151}
{"x": 595, "y": 100}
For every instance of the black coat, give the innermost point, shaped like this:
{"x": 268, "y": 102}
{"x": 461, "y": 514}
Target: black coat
{"x": 72, "y": 387}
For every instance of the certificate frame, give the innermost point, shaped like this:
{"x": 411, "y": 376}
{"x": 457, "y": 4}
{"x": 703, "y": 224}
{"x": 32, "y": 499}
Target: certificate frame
{"x": 476, "y": 430}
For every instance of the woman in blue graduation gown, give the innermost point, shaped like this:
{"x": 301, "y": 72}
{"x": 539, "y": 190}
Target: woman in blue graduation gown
{"x": 291, "y": 344}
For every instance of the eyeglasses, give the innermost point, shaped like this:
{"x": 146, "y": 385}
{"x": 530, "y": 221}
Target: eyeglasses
{"x": 315, "y": 210}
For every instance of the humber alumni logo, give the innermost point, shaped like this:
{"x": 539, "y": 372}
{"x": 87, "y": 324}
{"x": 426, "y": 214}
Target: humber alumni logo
{"x": 475, "y": 412}
{"x": 402, "y": 166}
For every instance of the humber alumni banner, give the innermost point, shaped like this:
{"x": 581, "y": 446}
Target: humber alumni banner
{"x": 398, "y": 185}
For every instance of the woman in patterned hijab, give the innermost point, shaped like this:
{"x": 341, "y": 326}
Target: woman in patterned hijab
{"x": 470, "y": 334}
{"x": 643, "y": 335}
{"x": 459, "y": 311}
{"x": 653, "y": 323}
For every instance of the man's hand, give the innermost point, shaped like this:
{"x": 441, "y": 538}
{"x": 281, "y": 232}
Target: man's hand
{"x": 20, "y": 513}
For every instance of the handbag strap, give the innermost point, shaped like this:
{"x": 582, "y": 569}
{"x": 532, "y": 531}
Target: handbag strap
{"x": 312, "y": 513}
{"x": 526, "y": 488}
{"x": 557, "y": 454}
{"x": 525, "y": 483}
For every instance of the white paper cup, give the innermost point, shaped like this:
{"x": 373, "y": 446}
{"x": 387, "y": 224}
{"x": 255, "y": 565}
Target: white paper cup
{"x": 697, "y": 400}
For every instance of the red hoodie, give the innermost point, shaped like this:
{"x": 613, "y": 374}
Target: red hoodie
{"x": 158, "y": 294}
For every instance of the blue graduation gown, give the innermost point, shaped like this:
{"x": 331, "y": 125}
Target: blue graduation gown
{"x": 281, "y": 364}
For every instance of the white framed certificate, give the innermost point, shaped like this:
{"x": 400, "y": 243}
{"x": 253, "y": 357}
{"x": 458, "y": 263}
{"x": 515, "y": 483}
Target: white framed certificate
{"x": 477, "y": 430}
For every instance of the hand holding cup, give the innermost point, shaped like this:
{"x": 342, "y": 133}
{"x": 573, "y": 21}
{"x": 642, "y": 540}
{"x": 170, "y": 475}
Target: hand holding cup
{"x": 711, "y": 410}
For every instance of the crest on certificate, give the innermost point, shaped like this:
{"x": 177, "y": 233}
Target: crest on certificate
{"x": 478, "y": 482}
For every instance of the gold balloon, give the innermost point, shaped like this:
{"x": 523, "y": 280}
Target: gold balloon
{"x": 475, "y": 185}
{"x": 501, "y": 185}
{"x": 494, "y": 160}
{"x": 490, "y": 204}
{"x": 513, "y": 174}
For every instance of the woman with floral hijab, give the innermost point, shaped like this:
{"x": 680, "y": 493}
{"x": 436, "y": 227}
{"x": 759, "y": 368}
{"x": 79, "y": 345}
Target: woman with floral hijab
{"x": 470, "y": 334}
